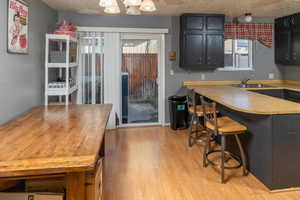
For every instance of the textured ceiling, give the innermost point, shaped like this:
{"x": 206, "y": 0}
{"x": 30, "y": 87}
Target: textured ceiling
{"x": 231, "y": 8}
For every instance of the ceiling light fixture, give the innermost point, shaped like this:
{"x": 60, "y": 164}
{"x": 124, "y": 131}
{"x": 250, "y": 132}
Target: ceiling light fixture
{"x": 133, "y": 10}
{"x": 134, "y": 7}
{"x": 248, "y": 17}
{"x": 132, "y": 2}
{"x": 148, "y": 6}
{"x": 112, "y": 10}
{"x": 112, "y": 7}
{"x": 105, "y": 3}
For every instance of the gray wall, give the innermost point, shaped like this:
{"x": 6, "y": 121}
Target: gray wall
{"x": 263, "y": 58}
{"x": 291, "y": 72}
{"x": 22, "y": 76}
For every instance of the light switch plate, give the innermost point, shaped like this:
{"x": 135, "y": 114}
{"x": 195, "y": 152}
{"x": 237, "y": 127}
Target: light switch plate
{"x": 202, "y": 77}
{"x": 172, "y": 72}
{"x": 271, "y": 76}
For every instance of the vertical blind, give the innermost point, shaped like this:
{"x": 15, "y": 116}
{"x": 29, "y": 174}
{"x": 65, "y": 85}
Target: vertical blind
{"x": 99, "y": 76}
{"x": 91, "y": 67}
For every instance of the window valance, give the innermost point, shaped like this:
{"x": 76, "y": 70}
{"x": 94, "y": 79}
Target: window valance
{"x": 262, "y": 32}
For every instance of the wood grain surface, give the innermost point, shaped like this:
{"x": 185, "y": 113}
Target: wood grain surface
{"x": 240, "y": 99}
{"x": 246, "y": 101}
{"x": 197, "y": 83}
{"x": 155, "y": 163}
{"x": 53, "y": 139}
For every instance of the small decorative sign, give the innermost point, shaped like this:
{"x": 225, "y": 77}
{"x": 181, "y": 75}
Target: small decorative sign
{"x": 172, "y": 56}
{"x": 17, "y": 27}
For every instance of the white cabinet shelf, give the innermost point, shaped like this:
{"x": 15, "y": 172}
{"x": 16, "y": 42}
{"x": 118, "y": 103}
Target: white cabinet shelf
{"x": 62, "y": 55}
{"x": 62, "y": 65}
{"x": 57, "y": 37}
{"x": 61, "y": 91}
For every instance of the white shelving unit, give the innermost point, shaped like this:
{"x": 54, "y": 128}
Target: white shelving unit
{"x": 64, "y": 68}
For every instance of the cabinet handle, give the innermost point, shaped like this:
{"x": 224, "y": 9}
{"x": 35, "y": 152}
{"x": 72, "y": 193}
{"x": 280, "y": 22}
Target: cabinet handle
{"x": 293, "y": 20}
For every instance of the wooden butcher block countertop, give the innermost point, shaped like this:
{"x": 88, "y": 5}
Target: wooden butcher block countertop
{"x": 53, "y": 139}
{"x": 241, "y": 100}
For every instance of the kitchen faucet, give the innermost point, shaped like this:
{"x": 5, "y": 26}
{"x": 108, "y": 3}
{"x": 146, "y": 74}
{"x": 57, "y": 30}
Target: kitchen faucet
{"x": 245, "y": 81}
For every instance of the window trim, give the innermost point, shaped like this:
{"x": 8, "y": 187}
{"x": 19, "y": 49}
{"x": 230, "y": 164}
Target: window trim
{"x": 251, "y": 57}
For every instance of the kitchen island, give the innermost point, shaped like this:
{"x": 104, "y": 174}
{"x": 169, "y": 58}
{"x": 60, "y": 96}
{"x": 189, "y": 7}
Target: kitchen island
{"x": 273, "y": 140}
{"x": 54, "y": 141}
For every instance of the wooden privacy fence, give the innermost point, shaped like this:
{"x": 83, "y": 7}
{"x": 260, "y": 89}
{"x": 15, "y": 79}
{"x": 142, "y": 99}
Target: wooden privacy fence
{"x": 142, "y": 75}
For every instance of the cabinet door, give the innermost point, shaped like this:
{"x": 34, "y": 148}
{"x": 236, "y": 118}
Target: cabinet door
{"x": 283, "y": 47}
{"x": 295, "y": 21}
{"x": 193, "y": 50}
{"x": 214, "y": 23}
{"x": 286, "y": 137}
{"x": 194, "y": 22}
{"x": 296, "y": 46}
{"x": 292, "y": 96}
{"x": 283, "y": 23}
{"x": 215, "y": 50}
{"x": 278, "y": 24}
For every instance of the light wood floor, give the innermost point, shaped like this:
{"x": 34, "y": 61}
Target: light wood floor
{"x": 155, "y": 163}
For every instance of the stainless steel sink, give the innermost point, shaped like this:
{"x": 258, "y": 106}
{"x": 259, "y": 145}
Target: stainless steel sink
{"x": 252, "y": 86}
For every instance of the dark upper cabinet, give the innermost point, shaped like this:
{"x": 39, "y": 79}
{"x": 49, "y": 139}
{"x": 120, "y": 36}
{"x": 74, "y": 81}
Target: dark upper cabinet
{"x": 287, "y": 40}
{"x": 214, "y": 23}
{"x": 283, "y": 23}
{"x": 215, "y": 49}
{"x": 201, "y": 41}
{"x": 195, "y": 44}
{"x": 295, "y": 46}
{"x": 295, "y": 21}
{"x": 194, "y": 23}
{"x": 283, "y": 47}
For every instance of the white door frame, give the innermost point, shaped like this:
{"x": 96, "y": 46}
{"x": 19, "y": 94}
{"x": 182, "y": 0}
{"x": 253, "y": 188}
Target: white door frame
{"x": 161, "y": 75}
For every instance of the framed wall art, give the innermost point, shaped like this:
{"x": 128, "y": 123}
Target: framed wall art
{"x": 17, "y": 26}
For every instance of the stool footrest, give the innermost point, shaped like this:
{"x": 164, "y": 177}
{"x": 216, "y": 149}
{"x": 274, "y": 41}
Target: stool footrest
{"x": 237, "y": 158}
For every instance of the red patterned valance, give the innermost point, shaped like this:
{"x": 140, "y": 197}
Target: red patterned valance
{"x": 263, "y": 32}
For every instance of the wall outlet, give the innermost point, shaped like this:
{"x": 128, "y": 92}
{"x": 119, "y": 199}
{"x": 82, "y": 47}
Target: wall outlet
{"x": 202, "y": 77}
{"x": 172, "y": 72}
{"x": 271, "y": 76}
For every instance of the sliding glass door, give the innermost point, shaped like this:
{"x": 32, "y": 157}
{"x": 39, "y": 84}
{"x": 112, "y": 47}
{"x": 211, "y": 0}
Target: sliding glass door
{"x": 140, "y": 75}
{"x": 123, "y": 70}
{"x": 91, "y": 68}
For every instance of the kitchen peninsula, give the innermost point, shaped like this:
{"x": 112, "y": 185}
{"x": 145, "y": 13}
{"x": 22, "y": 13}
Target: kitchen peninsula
{"x": 272, "y": 116}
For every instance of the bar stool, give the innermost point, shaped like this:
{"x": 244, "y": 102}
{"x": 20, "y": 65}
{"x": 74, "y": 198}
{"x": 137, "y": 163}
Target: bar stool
{"x": 223, "y": 127}
{"x": 196, "y": 113}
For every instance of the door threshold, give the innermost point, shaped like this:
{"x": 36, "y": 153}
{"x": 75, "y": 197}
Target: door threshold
{"x": 139, "y": 125}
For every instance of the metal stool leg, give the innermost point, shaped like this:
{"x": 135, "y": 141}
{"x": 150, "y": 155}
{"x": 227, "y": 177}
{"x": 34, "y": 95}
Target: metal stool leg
{"x": 205, "y": 150}
{"x": 196, "y": 126}
{"x": 191, "y": 131}
{"x": 209, "y": 144}
{"x": 244, "y": 161}
{"x": 223, "y": 144}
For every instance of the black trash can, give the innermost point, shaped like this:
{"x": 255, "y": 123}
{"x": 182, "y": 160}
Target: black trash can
{"x": 178, "y": 112}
